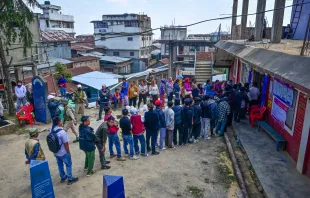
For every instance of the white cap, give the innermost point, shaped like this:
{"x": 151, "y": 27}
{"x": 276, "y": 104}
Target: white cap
{"x": 79, "y": 86}
{"x": 50, "y": 97}
{"x": 133, "y": 111}
{"x": 104, "y": 85}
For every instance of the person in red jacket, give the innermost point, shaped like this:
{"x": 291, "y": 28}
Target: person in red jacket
{"x": 138, "y": 132}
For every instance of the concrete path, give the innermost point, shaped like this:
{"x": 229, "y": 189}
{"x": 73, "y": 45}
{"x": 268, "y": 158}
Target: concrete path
{"x": 279, "y": 179}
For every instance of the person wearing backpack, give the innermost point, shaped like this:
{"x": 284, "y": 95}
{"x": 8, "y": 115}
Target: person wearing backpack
{"x": 58, "y": 143}
{"x": 205, "y": 117}
{"x": 87, "y": 144}
{"x": 69, "y": 119}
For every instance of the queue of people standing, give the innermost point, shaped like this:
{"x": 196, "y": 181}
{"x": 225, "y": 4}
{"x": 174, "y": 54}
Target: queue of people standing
{"x": 192, "y": 112}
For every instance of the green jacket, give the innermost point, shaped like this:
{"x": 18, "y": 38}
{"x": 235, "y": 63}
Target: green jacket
{"x": 102, "y": 133}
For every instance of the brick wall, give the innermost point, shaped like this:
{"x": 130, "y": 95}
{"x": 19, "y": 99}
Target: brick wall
{"x": 293, "y": 142}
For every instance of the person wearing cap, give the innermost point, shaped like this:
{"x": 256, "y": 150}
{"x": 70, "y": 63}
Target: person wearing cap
{"x": 53, "y": 106}
{"x": 114, "y": 139}
{"x": 133, "y": 94}
{"x": 62, "y": 84}
{"x": 223, "y": 111}
{"x": 138, "y": 132}
{"x": 169, "y": 118}
{"x": 161, "y": 124}
{"x": 124, "y": 91}
{"x": 196, "y": 120}
{"x": 63, "y": 156}
{"x": 125, "y": 125}
{"x": 69, "y": 119}
{"x": 187, "y": 120}
{"x": 80, "y": 99}
{"x": 87, "y": 144}
{"x": 20, "y": 92}
{"x": 104, "y": 99}
{"x": 33, "y": 149}
{"x": 151, "y": 123}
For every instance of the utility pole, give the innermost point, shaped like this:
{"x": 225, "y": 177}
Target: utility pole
{"x": 234, "y": 19}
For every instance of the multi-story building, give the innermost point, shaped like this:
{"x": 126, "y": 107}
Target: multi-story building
{"x": 125, "y": 35}
{"x": 53, "y": 19}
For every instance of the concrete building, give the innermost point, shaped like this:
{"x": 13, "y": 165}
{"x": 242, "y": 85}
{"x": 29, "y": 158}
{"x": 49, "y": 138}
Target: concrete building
{"x": 81, "y": 47}
{"x": 86, "y": 38}
{"x": 111, "y": 31}
{"x": 284, "y": 75}
{"x": 85, "y": 61}
{"x": 53, "y": 19}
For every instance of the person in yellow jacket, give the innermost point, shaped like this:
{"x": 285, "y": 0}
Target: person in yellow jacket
{"x": 133, "y": 94}
{"x": 33, "y": 150}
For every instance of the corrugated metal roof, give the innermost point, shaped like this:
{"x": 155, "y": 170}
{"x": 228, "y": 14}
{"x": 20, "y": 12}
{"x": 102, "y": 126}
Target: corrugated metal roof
{"x": 144, "y": 73}
{"x": 97, "y": 79}
{"x": 95, "y": 54}
{"x": 52, "y": 61}
{"x": 55, "y": 35}
{"x": 114, "y": 59}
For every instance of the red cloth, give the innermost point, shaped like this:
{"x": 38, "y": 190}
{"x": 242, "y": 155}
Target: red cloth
{"x": 113, "y": 129}
{"x": 64, "y": 85}
{"x": 137, "y": 124}
{"x": 106, "y": 117}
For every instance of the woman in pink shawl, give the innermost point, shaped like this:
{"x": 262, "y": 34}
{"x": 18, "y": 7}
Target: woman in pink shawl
{"x": 187, "y": 87}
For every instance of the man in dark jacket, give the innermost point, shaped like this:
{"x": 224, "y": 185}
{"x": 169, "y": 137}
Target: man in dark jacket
{"x": 151, "y": 123}
{"x": 178, "y": 125}
{"x": 87, "y": 144}
{"x": 53, "y": 106}
{"x": 187, "y": 120}
{"x": 196, "y": 120}
{"x": 162, "y": 124}
{"x": 241, "y": 100}
{"x": 104, "y": 98}
{"x": 102, "y": 136}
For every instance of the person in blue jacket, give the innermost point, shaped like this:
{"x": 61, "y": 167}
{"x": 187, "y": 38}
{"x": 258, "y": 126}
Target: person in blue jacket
{"x": 187, "y": 120}
{"x": 162, "y": 124}
{"x": 87, "y": 144}
{"x": 178, "y": 124}
{"x": 151, "y": 123}
{"x": 53, "y": 106}
{"x": 124, "y": 91}
{"x": 211, "y": 93}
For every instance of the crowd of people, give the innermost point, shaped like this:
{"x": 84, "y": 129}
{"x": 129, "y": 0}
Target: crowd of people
{"x": 179, "y": 112}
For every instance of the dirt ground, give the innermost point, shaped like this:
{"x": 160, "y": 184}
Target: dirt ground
{"x": 197, "y": 170}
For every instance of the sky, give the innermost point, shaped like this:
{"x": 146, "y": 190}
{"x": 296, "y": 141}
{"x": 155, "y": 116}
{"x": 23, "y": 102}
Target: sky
{"x": 162, "y": 12}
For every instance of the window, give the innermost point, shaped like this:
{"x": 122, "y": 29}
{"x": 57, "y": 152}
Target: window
{"x": 290, "y": 114}
{"x": 244, "y": 73}
{"x": 132, "y": 53}
{"x": 236, "y": 68}
{"x": 115, "y": 53}
{"x": 129, "y": 39}
{"x": 102, "y": 38}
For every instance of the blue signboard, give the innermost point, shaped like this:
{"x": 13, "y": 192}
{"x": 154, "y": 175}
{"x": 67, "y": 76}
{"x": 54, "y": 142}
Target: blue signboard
{"x": 113, "y": 187}
{"x": 41, "y": 182}
{"x": 39, "y": 88}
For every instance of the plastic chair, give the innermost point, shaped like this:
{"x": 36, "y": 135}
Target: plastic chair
{"x": 257, "y": 114}
{"x": 25, "y": 113}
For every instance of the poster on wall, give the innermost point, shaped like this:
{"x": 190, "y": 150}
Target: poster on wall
{"x": 283, "y": 91}
{"x": 279, "y": 110}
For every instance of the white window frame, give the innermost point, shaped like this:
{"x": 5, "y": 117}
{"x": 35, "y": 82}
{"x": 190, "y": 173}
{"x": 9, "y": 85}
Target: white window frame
{"x": 291, "y": 131}
{"x": 236, "y": 67}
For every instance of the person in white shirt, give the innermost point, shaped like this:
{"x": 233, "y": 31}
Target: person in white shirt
{"x": 20, "y": 92}
{"x": 143, "y": 89}
{"x": 254, "y": 94}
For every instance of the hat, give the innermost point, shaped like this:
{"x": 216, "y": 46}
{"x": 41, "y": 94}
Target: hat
{"x": 133, "y": 111}
{"x": 157, "y": 102}
{"x": 84, "y": 118}
{"x": 32, "y": 131}
{"x": 79, "y": 86}
{"x": 50, "y": 97}
{"x": 64, "y": 101}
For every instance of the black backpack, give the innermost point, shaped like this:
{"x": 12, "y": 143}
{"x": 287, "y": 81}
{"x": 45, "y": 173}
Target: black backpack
{"x": 53, "y": 142}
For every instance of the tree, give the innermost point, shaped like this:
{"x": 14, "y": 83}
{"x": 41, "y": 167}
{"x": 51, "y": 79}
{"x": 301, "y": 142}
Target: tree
{"x": 62, "y": 69}
{"x": 15, "y": 16}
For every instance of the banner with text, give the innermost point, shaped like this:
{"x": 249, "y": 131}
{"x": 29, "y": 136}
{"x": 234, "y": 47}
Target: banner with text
{"x": 283, "y": 91}
{"x": 279, "y": 110}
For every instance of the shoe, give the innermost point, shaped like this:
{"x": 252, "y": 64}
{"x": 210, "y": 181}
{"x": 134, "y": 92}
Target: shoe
{"x": 76, "y": 140}
{"x": 73, "y": 180}
{"x": 107, "y": 162}
{"x": 207, "y": 138}
{"x": 134, "y": 157}
{"x": 172, "y": 147}
{"x": 126, "y": 155}
{"x": 98, "y": 119}
{"x": 63, "y": 179}
{"x": 137, "y": 153}
{"x": 121, "y": 159}
{"x": 155, "y": 153}
{"x": 90, "y": 173}
{"x": 149, "y": 150}
{"x": 164, "y": 148}
{"x": 112, "y": 156}
{"x": 105, "y": 167}
{"x": 144, "y": 154}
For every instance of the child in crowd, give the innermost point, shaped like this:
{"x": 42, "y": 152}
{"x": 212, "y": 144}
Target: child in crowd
{"x": 196, "y": 120}
{"x": 108, "y": 113}
{"x": 138, "y": 132}
{"x": 125, "y": 125}
{"x": 113, "y": 139}
{"x": 117, "y": 99}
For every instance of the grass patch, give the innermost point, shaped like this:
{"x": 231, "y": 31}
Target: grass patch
{"x": 225, "y": 169}
{"x": 196, "y": 192}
